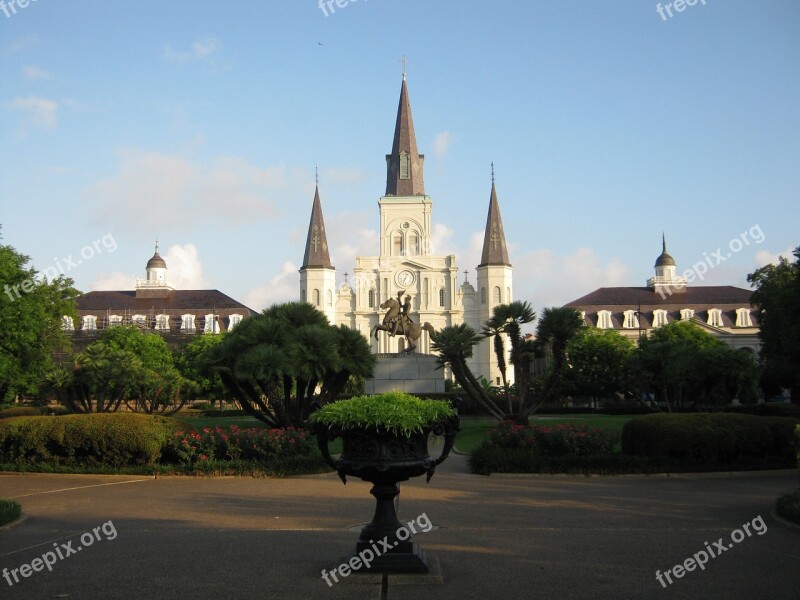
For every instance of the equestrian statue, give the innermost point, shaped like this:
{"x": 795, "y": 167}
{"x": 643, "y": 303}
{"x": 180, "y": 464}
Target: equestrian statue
{"x": 398, "y": 321}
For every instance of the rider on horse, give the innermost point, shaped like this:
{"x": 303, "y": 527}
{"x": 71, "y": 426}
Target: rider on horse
{"x": 402, "y": 319}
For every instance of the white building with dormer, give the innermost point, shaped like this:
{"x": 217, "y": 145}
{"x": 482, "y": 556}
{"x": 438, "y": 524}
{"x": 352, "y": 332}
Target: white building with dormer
{"x": 405, "y": 263}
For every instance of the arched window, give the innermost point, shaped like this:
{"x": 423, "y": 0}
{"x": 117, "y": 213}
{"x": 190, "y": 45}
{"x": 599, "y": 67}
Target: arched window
{"x": 687, "y": 313}
{"x": 329, "y": 298}
{"x": 234, "y": 320}
{"x": 162, "y": 322}
{"x": 508, "y": 294}
{"x": 89, "y": 323}
{"x": 743, "y": 317}
{"x": 497, "y": 295}
{"x": 371, "y": 298}
{"x": 397, "y": 244}
{"x": 483, "y": 295}
{"x": 441, "y": 297}
{"x": 315, "y": 298}
{"x": 604, "y": 319}
{"x": 659, "y": 317}
{"x": 187, "y": 323}
{"x": 67, "y": 324}
{"x": 212, "y": 324}
{"x": 413, "y": 243}
{"x": 714, "y": 317}
{"x": 631, "y": 320}
{"x": 405, "y": 167}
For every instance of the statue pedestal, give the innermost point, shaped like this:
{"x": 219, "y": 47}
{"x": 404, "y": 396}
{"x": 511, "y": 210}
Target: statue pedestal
{"x": 410, "y": 373}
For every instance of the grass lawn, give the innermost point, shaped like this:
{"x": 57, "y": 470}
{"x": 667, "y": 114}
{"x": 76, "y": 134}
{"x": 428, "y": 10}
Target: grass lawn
{"x": 474, "y": 431}
{"x": 9, "y": 511}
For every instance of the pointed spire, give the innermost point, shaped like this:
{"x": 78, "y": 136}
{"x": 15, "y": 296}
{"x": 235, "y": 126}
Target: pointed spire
{"x": 664, "y": 260}
{"x": 404, "y": 164}
{"x": 495, "y": 251}
{"x": 317, "y": 242}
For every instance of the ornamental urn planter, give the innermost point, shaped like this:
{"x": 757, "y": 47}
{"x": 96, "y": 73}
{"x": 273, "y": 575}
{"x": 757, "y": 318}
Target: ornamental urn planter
{"x": 385, "y": 458}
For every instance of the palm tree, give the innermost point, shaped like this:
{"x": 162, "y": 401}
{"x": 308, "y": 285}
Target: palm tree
{"x": 556, "y": 327}
{"x": 514, "y": 315}
{"x": 454, "y": 345}
{"x": 273, "y": 362}
{"x": 495, "y": 329}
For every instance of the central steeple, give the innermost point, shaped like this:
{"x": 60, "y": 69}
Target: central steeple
{"x": 404, "y": 164}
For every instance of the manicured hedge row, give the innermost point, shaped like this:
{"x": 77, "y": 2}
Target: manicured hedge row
{"x": 769, "y": 409}
{"x": 85, "y": 440}
{"x": 712, "y": 438}
{"x": 31, "y": 411}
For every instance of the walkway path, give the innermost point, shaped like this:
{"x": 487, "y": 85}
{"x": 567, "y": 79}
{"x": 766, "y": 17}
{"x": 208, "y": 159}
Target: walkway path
{"x": 498, "y": 537}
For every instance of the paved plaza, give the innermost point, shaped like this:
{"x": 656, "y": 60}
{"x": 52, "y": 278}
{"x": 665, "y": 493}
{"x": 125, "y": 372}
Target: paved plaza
{"x": 495, "y": 537}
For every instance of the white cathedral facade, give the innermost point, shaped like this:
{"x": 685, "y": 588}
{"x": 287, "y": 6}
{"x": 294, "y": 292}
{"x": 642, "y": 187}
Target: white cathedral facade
{"x": 404, "y": 262}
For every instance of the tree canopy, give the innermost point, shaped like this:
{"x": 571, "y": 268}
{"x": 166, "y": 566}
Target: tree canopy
{"x": 31, "y": 313}
{"x": 777, "y": 298}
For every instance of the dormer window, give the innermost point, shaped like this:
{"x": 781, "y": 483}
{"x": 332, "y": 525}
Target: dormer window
{"x": 212, "y": 323}
{"x": 659, "y": 317}
{"x": 604, "y": 319}
{"x": 234, "y": 320}
{"x": 687, "y": 313}
{"x": 114, "y": 320}
{"x": 162, "y": 322}
{"x": 187, "y": 324}
{"x": 631, "y": 320}
{"x": 140, "y": 320}
{"x": 714, "y": 317}
{"x": 743, "y": 317}
{"x": 67, "y": 324}
{"x": 405, "y": 166}
{"x": 89, "y": 323}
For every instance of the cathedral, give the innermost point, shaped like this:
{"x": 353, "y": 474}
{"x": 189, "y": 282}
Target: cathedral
{"x": 404, "y": 264}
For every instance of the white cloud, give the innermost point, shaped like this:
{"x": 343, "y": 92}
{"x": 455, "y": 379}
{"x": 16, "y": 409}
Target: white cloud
{"x": 441, "y": 144}
{"x": 115, "y": 281}
{"x": 201, "y": 49}
{"x": 765, "y": 257}
{"x": 545, "y": 279}
{"x": 283, "y": 287}
{"x": 37, "y": 113}
{"x": 172, "y": 191}
{"x": 34, "y": 73}
{"x": 442, "y": 240}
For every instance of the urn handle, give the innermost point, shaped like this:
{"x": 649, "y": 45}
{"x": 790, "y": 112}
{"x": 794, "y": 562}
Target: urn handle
{"x": 450, "y": 428}
{"x": 322, "y": 434}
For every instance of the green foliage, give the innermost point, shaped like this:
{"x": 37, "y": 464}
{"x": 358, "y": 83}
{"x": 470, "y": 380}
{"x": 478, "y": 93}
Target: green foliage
{"x": 776, "y": 296}
{"x": 685, "y": 366}
{"x": 598, "y": 362}
{"x": 552, "y": 440}
{"x": 788, "y": 507}
{"x": 712, "y": 438}
{"x": 31, "y": 311}
{"x": 273, "y": 362}
{"x": 9, "y": 511}
{"x": 768, "y": 409}
{"x": 454, "y": 345}
{"x": 80, "y": 440}
{"x": 556, "y": 328}
{"x": 126, "y": 365}
{"x": 394, "y": 411}
{"x": 24, "y": 411}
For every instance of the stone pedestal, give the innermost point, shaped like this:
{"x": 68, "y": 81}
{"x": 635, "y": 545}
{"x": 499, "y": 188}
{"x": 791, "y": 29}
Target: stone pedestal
{"x": 410, "y": 373}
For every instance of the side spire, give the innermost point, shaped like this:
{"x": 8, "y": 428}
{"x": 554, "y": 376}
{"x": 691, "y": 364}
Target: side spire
{"x": 404, "y": 164}
{"x": 495, "y": 251}
{"x": 317, "y": 241}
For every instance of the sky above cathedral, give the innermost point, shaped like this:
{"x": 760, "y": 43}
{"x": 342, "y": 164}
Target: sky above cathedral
{"x": 201, "y": 123}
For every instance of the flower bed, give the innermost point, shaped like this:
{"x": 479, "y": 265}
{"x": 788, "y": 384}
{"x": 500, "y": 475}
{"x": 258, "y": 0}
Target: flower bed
{"x": 274, "y": 451}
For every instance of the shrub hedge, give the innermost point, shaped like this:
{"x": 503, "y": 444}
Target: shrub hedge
{"x": 117, "y": 440}
{"x": 712, "y": 438}
{"x": 769, "y": 409}
{"x": 9, "y": 511}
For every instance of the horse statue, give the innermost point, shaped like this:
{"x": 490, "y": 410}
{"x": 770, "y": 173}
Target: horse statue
{"x": 397, "y": 321}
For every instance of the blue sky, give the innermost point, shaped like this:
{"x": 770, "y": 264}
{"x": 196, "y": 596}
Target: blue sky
{"x": 202, "y": 122}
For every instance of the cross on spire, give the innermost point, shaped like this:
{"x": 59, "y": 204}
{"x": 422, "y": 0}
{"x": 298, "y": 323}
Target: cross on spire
{"x": 466, "y": 276}
{"x": 495, "y": 238}
{"x": 316, "y": 174}
{"x": 404, "y": 60}
{"x": 492, "y": 171}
